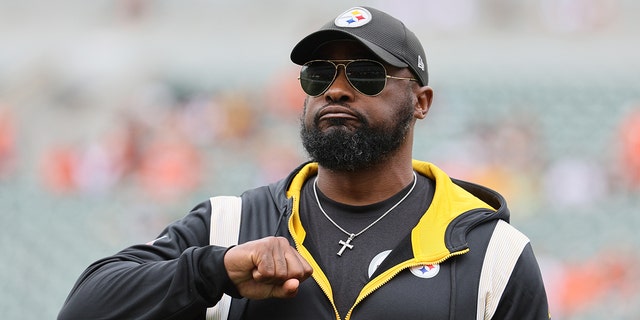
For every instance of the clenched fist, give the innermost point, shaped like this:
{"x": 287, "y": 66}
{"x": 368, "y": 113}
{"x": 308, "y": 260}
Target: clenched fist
{"x": 266, "y": 268}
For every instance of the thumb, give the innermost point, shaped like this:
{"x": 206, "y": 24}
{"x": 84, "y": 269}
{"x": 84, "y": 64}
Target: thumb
{"x": 288, "y": 289}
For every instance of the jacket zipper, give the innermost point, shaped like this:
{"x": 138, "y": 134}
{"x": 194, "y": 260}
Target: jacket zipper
{"x": 322, "y": 287}
{"x": 322, "y": 282}
{"x": 398, "y": 269}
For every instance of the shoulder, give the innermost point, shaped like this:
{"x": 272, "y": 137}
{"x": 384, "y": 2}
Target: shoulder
{"x": 504, "y": 250}
{"x": 510, "y": 281}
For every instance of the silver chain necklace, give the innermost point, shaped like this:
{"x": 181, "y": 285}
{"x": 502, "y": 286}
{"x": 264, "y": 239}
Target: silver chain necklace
{"x": 347, "y": 244}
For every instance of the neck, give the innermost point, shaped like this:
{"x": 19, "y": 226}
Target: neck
{"x": 366, "y": 186}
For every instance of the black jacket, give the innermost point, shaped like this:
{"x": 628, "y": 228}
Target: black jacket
{"x": 180, "y": 275}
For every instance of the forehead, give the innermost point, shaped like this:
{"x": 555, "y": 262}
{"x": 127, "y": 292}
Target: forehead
{"x": 343, "y": 50}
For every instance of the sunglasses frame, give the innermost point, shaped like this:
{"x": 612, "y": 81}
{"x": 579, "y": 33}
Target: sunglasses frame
{"x": 344, "y": 64}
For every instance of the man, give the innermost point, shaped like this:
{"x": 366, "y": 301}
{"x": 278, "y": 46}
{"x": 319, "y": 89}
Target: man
{"x": 381, "y": 235}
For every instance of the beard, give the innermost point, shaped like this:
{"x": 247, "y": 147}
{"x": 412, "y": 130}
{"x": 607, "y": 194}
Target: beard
{"x": 341, "y": 149}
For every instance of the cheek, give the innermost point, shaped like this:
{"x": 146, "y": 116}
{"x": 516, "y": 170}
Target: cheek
{"x": 394, "y": 104}
{"x": 306, "y": 117}
{"x": 399, "y": 106}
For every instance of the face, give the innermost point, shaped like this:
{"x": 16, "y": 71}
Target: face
{"x": 345, "y": 130}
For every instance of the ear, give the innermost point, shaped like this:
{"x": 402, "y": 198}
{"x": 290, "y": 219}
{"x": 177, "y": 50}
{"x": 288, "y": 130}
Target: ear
{"x": 424, "y": 97}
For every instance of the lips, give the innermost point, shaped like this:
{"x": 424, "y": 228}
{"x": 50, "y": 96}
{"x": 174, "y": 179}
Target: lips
{"x": 336, "y": 112}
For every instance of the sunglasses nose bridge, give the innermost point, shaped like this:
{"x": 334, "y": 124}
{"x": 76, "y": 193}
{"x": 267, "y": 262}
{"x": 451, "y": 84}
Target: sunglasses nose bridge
{"x": 337, "y": 77}
{"x": 337, "y": 72}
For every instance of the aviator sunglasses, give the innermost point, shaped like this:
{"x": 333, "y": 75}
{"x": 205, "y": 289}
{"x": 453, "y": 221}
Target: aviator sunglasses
{"x": 368, "y": 77}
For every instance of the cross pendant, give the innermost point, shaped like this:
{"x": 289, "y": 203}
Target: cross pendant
{"x": 346, "y": 244}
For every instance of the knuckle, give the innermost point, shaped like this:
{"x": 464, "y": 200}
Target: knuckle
{"x": 282, "y": 241}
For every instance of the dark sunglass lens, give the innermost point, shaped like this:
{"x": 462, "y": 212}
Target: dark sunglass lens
{"x": 316, "y": 77}
{"x": 368, "y": 77}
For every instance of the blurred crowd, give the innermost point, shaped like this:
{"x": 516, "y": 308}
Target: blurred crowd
{"x": 165, "y": 143}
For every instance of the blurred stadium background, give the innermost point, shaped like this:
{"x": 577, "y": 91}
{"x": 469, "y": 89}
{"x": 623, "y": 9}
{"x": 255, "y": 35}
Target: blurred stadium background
{"x": 117, "y": 117}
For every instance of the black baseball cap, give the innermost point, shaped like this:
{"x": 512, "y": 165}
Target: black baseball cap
{"x": 387, "y": 37}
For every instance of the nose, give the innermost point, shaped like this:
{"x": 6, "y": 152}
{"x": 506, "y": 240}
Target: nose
{"x": 340, "y": 89}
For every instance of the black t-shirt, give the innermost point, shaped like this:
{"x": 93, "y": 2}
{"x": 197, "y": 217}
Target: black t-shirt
{"x": 350, "y": 272}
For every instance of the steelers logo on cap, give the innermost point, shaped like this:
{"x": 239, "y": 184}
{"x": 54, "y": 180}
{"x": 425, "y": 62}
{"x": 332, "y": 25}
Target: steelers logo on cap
{"x": 354, "y": 17}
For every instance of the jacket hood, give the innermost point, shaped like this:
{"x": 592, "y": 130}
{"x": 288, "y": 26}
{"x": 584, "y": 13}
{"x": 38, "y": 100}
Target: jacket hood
{"x": 457, "y": 207}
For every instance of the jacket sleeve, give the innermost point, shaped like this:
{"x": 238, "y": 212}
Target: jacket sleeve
{"x": 177, "y": 276}
{"x": 525, "y": 296}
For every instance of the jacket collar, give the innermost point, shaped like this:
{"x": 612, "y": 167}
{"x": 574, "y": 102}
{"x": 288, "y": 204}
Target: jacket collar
{"x": 457, "y": 206}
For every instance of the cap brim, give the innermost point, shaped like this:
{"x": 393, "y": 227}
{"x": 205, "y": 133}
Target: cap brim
{"x": 305, "y": 49}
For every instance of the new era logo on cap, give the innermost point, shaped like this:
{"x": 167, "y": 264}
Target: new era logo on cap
{"x": 354, "y": 17}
